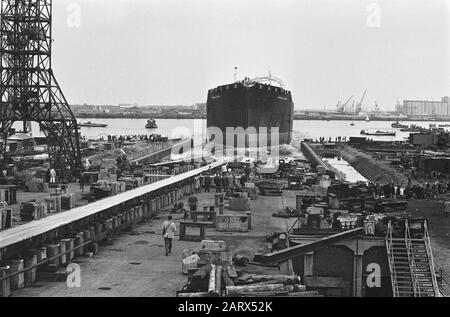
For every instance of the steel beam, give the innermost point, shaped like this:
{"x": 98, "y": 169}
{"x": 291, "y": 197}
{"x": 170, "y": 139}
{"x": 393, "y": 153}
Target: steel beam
{"x": 292, "y": 252}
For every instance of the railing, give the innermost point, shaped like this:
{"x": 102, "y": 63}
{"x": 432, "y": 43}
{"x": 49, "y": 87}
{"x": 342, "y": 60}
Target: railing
{"x": 431, "y": 260}
{"x": 412, "y": 263}
{"x": 389, "y": 248}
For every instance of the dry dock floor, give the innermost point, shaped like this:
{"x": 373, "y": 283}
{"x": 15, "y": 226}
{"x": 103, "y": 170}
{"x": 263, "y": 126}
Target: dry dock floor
{"x": 136, "y": 265}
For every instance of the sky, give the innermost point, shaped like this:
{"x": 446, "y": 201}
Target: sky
{"x": 172, "y": 51}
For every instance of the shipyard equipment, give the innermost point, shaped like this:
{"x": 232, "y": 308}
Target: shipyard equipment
{"x": 359, "y": 104}
{"x": 28, "y": 88}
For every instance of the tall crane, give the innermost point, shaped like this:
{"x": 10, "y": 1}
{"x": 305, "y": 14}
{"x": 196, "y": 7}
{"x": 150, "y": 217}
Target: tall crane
{"x": 359, "y": 105}
{"x": 341, "y": 107}
{"x": 28, "y": 87}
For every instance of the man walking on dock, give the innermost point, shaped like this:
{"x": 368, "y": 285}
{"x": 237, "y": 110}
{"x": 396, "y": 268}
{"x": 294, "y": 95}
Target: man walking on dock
{"x": 168, "y": 231}
{"x": 52, "y": 176}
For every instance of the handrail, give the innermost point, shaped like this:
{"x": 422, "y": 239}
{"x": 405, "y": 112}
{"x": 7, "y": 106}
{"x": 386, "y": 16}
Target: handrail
{"x": 412, "y": 263}
{"x": 389, "y": 248}
{"x": 431, "y": 259}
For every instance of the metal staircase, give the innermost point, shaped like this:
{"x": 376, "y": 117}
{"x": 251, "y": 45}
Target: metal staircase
{"x": 411, "y": 261}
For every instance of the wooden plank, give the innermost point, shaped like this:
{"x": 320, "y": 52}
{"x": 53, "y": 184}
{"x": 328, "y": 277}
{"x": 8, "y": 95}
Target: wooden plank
{"x": 34, "y": 228}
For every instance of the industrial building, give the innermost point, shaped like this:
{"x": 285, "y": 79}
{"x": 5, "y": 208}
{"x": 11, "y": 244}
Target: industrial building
{"x": 426, "y": 107}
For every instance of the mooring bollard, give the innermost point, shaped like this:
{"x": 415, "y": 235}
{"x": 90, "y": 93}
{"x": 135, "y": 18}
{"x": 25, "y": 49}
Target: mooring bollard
{"x": 68, "y": 246}
{"x": 30, "y": 260}
{"x": 62, "y": 251}
{"x": 5, "y": 284}
{"x": 53, "y": 250}
{"x": 249, "y": 217}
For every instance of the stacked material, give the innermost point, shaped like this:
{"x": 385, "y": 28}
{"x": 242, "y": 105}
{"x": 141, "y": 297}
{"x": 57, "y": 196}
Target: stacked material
{"x": 215, "y": 278}
{"x": 104, "y": 186}
{"x": 232, "y": 223}
{"x": 5, "y": 218}
{"x": 8, "y": 194}
{"x": 251, "y": 190}
{"x": 253, "y": 285}
{"x": 37, "y": 185}
{"x": 270, "y": 188}
{"x": 32, "y": 211}
{"x": 53, "y": 203}
{"x": 67, "y": 201}
{"x": 132, "y": 182}
{"x": 117, "y": 188}
{"x": 239, "y": 203}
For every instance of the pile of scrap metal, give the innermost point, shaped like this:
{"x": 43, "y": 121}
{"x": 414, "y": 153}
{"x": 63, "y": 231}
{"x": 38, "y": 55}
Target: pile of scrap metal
{"x": 274, "y": 242}
{"x": 212, "y": 272}
{"x": 288, "y": 213}
{"x": 216, "y": 280}
{"x": 270, "y": 188}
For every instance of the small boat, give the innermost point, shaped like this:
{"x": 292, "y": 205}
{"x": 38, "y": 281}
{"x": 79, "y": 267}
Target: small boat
{"x": 399, "y": 125}
{"x": 367, "y": 118}
{"x": 378, "y": 133}
{"x": 352, "y": 124}
{"x": 93, "y": 125}
{"x": 151, "y": 124}
{"x": 413, "y": 128}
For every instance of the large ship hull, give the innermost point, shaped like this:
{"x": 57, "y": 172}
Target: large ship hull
{"x": 251, "y": 106}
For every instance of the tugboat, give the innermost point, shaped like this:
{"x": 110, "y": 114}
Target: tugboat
{"x": 398, "y": 125}
{"x": 151, "y": 124}
{"x": 414, "y": 128}
{"x": 378, "y": 133}
{"x": 90, "y": 124}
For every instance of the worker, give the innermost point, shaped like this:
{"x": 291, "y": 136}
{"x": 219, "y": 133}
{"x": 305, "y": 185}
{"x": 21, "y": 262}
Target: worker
{"x": 446, "y": 208}
{"x": 82, "y": 181}
{"x": 52, "y": 176}
{"x": 247, "y": 171}
{"x": 193, "y": 201}
{"x": 243, "y": 180}
{"x": 197, "y": 184}
{"x": 225, "y": 184}
{"x": 218, "y": 183}
{"x": 47, "y": 175}
{"x": 168, "y": 232}
{"x": 207, "y": 182}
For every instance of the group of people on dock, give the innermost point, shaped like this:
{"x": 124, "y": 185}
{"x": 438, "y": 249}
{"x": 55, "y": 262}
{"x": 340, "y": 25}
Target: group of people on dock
{"x": 130, "y": 137}
{"x": 427, "y": 190}
{"x": 224, "y": 180}
{"x": 330, "y": 139}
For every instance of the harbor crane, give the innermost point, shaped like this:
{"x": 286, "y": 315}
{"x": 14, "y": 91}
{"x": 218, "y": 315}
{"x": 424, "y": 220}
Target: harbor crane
{"x": 341, "y": 107}
{"x": 28, "y": 87}
{"x": 359, "y": 105}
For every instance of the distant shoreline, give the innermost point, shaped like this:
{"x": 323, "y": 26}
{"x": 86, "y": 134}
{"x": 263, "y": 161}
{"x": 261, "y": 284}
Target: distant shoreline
{"x": 298, "y": 118}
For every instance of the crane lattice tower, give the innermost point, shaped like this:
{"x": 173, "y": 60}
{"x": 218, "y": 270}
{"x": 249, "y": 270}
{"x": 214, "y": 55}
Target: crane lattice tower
{"x": 28, "y": 89}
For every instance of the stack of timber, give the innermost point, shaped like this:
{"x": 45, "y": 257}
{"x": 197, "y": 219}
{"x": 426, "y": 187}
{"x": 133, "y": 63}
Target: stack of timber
{"x": 270, "y": 188}
{"x": 32, "y": 211}
{"x": 221, "y": 278}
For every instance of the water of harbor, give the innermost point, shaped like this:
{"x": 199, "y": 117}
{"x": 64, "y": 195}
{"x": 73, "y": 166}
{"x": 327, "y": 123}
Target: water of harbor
{"x": 312, "y": 129}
